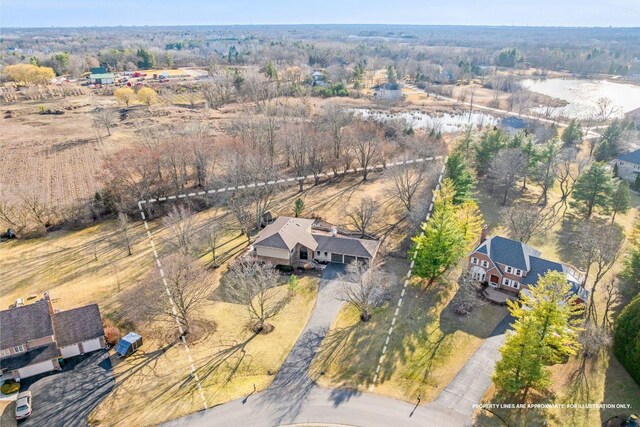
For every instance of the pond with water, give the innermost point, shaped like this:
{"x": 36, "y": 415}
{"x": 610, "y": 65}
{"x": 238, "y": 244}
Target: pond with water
{"x": 443, "y": 122}
{"x": 582, "y": 95}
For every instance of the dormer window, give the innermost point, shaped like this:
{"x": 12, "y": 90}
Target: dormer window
{"x": 509, "y": 269}
{"x": 519, "y": 272}
{"x": 19, "y": 349}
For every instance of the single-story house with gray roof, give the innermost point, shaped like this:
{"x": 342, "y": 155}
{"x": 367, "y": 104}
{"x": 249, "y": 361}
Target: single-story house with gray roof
{"x": 293, "y": 241}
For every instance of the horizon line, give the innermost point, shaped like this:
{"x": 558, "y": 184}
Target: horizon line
{"x": 318, "y": 24}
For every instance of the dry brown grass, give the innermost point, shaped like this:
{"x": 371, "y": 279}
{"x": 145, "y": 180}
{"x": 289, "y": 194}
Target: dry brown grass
{"x": 7, "y": 414}
{"x": 429, "y": 344}
{"x": 153, "y": 385}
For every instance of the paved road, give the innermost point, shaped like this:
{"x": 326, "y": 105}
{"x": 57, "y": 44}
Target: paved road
{"x": 293, "y": 397}
{"x": 67, "y": 398}
{"x": 473, "y": 380}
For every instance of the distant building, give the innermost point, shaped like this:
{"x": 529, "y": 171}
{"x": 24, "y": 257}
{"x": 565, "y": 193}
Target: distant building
{"x": 513, "y": 125}
{"x": 388, "y": 91}
{"x": 102, "y": 79}
{"x": 35, "y": 337}
{"x": 628, "y": 165}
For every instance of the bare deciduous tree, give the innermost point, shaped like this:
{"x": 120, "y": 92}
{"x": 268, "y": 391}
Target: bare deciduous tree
{"x": 406, "y": 181}
{"x": 125, "y": 229}
{"x": 252, "y": 284}
{"x": 106, "y": 118}
{"x": 363, "y": 216}
{"x": 364, "y": 287}
{"x": 466, "y": 299}
{"x": 506, "y": 168}
{"x": 180, "y": 222}
{"x": 524, "y": 221}
{"x": 189, "y": 286}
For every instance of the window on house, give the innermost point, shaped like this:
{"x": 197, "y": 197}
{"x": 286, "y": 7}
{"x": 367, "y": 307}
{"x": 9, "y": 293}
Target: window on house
{"x": 326, "y": 254}
{"x": 18, "y": 349}
{"x": 505, "y": 281}
{"x": 474, "y": 260}
{"x": 516, "y": 285}
{"x": 509, "y": 269}
{"x": 317, "y": 252}
{"x": 485, "y": 264}
{"x": 4, "y": 353}
{"x": 518, "y": 272}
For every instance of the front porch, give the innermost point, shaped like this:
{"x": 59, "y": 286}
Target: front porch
{"x": 498, "y": 296}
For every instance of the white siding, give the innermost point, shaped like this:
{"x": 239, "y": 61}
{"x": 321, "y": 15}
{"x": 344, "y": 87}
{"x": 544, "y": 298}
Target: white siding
{"x": 35, "y": 369}
{"x": 70, "y": 350}
{"x": 91, "y": 345}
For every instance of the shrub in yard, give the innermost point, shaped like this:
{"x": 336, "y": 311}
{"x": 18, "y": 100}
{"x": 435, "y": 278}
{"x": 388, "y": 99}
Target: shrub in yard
{"x": 10, "y": 387}
{"x": 293, "y": 282}
{"x": 626, "y": 340}
{"x": 112, "y": 335}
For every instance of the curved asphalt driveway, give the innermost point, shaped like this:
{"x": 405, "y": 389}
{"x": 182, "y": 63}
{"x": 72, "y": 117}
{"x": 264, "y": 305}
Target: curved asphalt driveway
{"x": 294, "y": 398}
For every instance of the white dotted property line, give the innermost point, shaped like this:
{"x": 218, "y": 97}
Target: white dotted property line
{"x": 230, "y": 189}
{"x": 173, "y": 306}
{"x": 290, "y": 180}
{"x": 406, "y": 282}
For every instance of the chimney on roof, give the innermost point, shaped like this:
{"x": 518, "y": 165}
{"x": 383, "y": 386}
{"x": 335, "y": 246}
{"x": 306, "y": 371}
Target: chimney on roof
{"x": 334, "y": 231}
{"x": 47, "y": 298}
{"x": 483, "y": 234}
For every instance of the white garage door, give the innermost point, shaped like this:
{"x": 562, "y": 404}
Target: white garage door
{"x": 91, "y": 345}
{"x": 35, "y": 369}
{"x": 70, "y": 350}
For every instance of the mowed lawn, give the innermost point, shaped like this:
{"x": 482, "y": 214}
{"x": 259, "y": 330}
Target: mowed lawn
{"x": 154, "y": 384}
{"x": 429, "y": 344}
{"x": 91, "y": 266}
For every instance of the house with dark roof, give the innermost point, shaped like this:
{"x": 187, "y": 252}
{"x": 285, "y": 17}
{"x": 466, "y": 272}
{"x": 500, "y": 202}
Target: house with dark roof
{"x": 294, "y": 241}
{"x": 628, "y": 165}
{"x": 35, "y": 337}
{"x": 512, "y": 266}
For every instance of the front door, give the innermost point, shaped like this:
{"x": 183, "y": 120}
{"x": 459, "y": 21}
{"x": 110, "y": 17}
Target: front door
{"x": 303, "y": 253}
{"x": 494, "y": 280}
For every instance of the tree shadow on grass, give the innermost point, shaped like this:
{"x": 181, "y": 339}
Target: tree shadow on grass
{"x": 619, "y": 388}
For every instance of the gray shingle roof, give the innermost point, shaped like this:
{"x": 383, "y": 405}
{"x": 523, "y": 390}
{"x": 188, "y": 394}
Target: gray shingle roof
{"x": 20, "y": 325}
{"x": 347, "y": 246}
{"x": 77, "y": 325}
{"x": 632, "y": 157}
{"x": 510, "y": 252}
{"x": 36, "y": 355}
{"x": 286, "y": 233}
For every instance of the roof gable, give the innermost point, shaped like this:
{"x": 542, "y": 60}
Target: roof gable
{"x": 347, "y": 245}
{"x": 20, "y": 325}
{"x": 290, "y": 232}
{"x": 77, "y": 325}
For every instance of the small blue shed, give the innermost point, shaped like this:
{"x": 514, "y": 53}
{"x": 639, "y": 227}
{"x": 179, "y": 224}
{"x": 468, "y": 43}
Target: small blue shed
{"x": 128, "y": 344}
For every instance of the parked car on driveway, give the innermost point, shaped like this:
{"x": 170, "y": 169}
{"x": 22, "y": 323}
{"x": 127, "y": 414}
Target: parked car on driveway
{"x": 23, "y": 405}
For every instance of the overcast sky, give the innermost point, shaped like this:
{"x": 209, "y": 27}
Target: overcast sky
{"x": 75, "y": 13}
